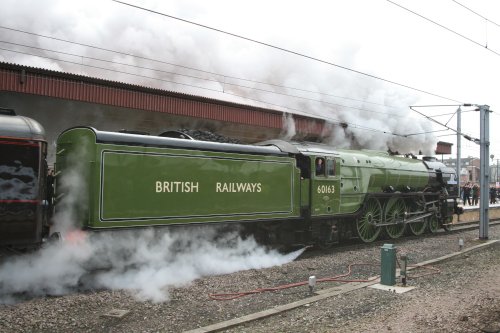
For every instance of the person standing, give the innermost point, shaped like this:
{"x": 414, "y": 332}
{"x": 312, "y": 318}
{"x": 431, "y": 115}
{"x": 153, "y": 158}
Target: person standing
{"x": 475, "y": 194}
{"x": 493, "y": 195}
{"x": 467, "y": 190}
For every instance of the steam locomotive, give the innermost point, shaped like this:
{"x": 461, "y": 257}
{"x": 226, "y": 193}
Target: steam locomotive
{"x": 281, "y": 192}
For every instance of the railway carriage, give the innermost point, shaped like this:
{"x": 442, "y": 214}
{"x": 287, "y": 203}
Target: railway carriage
{"x": 23, "y": 170}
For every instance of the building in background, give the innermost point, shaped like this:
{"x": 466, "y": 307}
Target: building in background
{"x": 470, "y": 168}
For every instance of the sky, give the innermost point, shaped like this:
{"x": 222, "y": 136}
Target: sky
{"x": 359, "y": 62}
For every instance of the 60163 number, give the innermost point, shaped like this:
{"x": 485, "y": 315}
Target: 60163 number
{"x": 326, "y": 189}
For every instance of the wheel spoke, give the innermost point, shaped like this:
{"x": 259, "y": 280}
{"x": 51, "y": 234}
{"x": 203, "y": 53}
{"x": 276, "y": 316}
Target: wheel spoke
{"x": 367, "y": 225}
{"x": 418, "y": 228}
{"x": 394, "y": 213}
{"x": 433, "y": 224}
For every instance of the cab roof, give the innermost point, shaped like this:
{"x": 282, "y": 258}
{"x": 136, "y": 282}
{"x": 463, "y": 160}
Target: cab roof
{"x": 19, "y": 127}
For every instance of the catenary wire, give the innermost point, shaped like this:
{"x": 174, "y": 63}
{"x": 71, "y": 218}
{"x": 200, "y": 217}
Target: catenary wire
{"x": 307, "y": 56}
{"x": 481, "y": 16}
{"x": 173, "y": 65}
{"x": 185, "y": 67}
{"x": 274, "y": 47}
{"x": 215, "y": 80}
{"x": 330, "y": 119}
{"x": 103, "y": 49}
{"x": 215, "y": 90}
{"x": 108, "y": 61}
{"x": 440, "y": 25}
{"x": 204, "y": 79}
{"x": 434, "y": 120}
{"x": 108, "y": 69}
{"x": 284, "y": 50}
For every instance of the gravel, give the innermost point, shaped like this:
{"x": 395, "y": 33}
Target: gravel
{"x": 463, "y": 297}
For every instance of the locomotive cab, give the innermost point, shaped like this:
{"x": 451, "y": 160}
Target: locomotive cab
{"x": 325, "y": 186}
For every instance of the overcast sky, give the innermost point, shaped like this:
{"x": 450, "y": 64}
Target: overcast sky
{"x": 409, "y": 60}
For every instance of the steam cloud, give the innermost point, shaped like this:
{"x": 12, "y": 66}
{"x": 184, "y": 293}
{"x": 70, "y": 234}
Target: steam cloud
{"x": 146, "y": 262}
{"x": 156, "y": 257}
{"x": 324, "y": 92}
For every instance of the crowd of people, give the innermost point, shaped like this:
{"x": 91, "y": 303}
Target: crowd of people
{"x": 469, "y": 193}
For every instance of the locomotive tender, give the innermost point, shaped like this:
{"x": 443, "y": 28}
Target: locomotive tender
{"x": 283, "y": 192}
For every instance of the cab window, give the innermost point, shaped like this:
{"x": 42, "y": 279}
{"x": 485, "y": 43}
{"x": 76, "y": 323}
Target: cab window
{"x": 330, "y": 167}
{"x": 320, "y": 166}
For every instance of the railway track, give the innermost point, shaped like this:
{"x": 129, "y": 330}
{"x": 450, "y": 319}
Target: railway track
{"x": 456, "y": 227}
{"x": 77, "y": 311}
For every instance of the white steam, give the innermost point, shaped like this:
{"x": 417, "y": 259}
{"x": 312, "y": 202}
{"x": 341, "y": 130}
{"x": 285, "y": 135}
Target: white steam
{"x": 72, "y": 190}
{"x": 289, "y": 130}
{"x": 323, "y": 91}
{"x": 146, "y": 262}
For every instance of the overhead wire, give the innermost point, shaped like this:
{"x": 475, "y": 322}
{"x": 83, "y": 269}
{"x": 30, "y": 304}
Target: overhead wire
{"x": 311, "y": 91}
{"x": 481, "y": 16}
{"x": 442, "y": 26}
{"x": 320, "y": 101}
{"x": 202, "y": 78}
{"x": 426, "y": 132}
{"x": 107, "y": 61}
{"x": 332, "y": 120}
{"x": 249, "y": 39}
{"x": 108, "y": 69}
{"x": 353, "y": 125}
{"x": 224, "y": 76}
{"x": 435, "y": 121}
{"x": 308, "y": 56}
{"x": 103, "y": 49}
{"x": 284, "y": 50}
{"x": 213, "y": 80}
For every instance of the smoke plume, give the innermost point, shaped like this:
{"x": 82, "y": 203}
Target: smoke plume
{"x": 172, "y": 55}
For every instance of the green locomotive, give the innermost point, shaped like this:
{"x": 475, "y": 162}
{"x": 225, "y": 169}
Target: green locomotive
{"x": 281, "y": 191}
